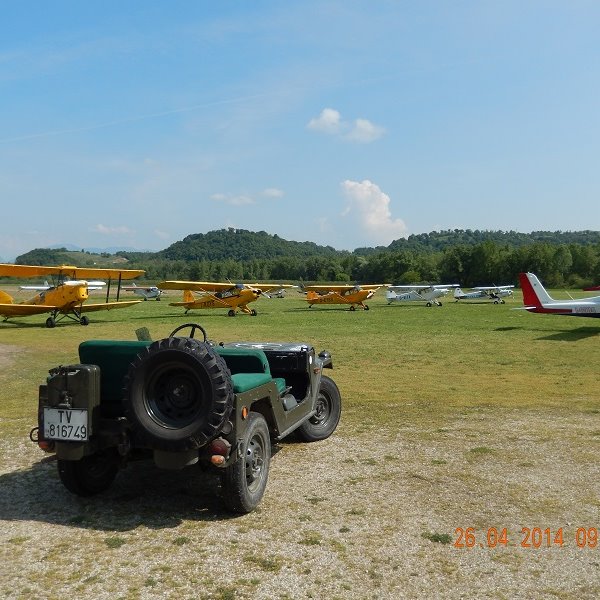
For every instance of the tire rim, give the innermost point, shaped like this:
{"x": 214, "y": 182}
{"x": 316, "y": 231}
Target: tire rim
{"x": 174, "y": 396}
{"x": 255, "y": 459}
{"x": 323, "y": 409}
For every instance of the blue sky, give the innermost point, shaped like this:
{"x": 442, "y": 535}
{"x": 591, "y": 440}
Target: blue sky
{"x": 339, "y": 122}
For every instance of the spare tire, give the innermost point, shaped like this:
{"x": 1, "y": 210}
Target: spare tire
{"x": 178, "y": 394}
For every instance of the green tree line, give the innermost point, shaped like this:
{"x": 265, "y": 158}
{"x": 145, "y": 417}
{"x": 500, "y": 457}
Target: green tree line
{"x": 466, "y": 257}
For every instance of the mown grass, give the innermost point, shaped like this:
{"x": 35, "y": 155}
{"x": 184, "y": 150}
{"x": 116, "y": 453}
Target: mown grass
{"x": 400, "y": 364}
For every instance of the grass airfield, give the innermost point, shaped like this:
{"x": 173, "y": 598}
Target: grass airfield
{"x": 458, "y": 422}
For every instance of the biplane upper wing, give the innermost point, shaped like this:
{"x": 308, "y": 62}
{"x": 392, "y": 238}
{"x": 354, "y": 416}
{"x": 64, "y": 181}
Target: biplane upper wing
{"x": 197, "y": 286}
{"x": 7, "y": 270}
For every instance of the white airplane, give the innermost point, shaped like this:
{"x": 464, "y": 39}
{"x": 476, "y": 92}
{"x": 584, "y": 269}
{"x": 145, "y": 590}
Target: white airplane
{"x": 91, "y": 285}
{"x": 418, "y": 293}
{"x": 145, "y": 292}
{"x": 496, "y": 293}
{"x": 536, "y": 299}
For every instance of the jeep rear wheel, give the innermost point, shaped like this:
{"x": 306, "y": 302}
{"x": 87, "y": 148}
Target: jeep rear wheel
{"x": 244, "y": 481}
{"x": 329, "y": 407}
{"x": 90, "y": 475}
{"x": 178, "y": 394}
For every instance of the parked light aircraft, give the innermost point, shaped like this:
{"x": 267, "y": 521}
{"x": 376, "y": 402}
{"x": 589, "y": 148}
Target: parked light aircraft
{"x": 418, "y": 293}
{"x": 536, "y": 299}
{"x": 145, "y": 292}
{"x": 354, "y": 295}
{"x": 66, "y": 297}
{"x": 233, "y": 296}
{"x": 496, "y": 293}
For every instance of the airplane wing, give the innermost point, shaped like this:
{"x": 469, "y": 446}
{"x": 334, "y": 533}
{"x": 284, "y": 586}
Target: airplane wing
{"x": 328, "y": 288}
{"x": 7, "y": 270}
{"x": 22, "y": 310}
{"x": 270, "y": 288}
{"x": 493, "y": 288}
{"x": 198, "y": 286}
{"x": 108, "y": 305}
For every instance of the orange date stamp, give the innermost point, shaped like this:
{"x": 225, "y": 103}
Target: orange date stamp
{"x": 528, "y": 537}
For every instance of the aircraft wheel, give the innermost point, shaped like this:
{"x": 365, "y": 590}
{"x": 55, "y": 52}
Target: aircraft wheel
{"x": 231, "y": 313}
{"x": 366, "y": 307}
{"x": 84, "y": 321}
{"x": 178, "y": 394}
{"x": 428, "y": 304}
{"x": 253, "y": 312}
{"x": 91, "y": 474}
{"x": 329, "y": 408}
{"x": 439, "y": 303}
{"x": 244, "y": 481}
{"x": 145, "y": 298}
{"x": 352, "y": 308}
{"x": 50, "y": 322}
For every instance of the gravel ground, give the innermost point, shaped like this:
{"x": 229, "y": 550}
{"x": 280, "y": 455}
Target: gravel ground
{"x": 364, "y": 514}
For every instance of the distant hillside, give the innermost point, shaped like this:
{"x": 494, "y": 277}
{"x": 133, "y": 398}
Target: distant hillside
{"x": 466, "y": 237}
{"x": 76, "y": 258}
{"x": 241, "y": 245}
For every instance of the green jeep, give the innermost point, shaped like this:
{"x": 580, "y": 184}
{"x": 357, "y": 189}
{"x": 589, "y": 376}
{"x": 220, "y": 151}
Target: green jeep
{"x": 183, "y": 401}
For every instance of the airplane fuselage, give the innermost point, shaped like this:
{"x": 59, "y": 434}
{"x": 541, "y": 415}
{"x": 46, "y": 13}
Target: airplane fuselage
{"x": 64, "y": 297}
{"x": 352, "y": 298}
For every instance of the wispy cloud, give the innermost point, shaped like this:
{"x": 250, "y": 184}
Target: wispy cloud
{"x": 233, "y": 200}
{"x": 115, "y": 230}
{"x": 273, "y": 193}
{"x": 330, "y": 122}
{"x": 371, "y": 209}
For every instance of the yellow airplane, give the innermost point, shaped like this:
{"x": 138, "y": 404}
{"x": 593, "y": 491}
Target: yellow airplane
{"x": 354, "y": 295}
{"x": 66, "y": 295}
{"x": 233, "y": 296}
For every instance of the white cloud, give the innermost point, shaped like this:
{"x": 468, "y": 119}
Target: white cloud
{"x": 239, "y": 200}
{"x": 273, "y": 193}
{"x": 330, "y": 122}
{"x": 118, "y": 230}
{"x": 371, "y": 209}
{"x": 163, "y": 235}
{"x": 364, "y": 131}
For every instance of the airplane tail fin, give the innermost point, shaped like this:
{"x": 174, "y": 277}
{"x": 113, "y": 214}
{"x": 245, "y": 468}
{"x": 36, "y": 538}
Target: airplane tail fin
{"x": 188, "y": 296}
{"x": 458, "y": 292}
{"x": 534, "y": 293}
{"x": 310, "y": 295}
{"x": 5, "y": 298}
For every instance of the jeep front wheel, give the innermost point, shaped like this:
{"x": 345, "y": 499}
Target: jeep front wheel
{"x": 329, "y": 408}
{"x": 90, "y": 475}
{"x": 244, "y": 481}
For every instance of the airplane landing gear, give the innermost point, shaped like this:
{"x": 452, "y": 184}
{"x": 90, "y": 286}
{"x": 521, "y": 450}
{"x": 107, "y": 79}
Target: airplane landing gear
{"x": 231, "y": 313}
{"x": 50, "y": 322}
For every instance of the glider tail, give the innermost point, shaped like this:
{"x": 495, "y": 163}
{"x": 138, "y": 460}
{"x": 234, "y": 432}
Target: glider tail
{"x": 534, "y": 293}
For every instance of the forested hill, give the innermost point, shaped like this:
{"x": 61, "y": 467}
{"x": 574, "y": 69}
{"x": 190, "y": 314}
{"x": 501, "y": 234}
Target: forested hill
{"x": 241, "y": 245}
{"x": 468, "y": 237}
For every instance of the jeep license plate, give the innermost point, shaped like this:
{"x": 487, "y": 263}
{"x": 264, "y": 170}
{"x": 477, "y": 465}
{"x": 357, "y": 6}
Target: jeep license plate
{"x": 66, "y": 424}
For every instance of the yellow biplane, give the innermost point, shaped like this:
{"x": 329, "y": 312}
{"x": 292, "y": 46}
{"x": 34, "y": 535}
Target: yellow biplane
{"x": 65, "y": 296}
{"x": 235, "y": 297}
{"x": 354, "y": 295}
